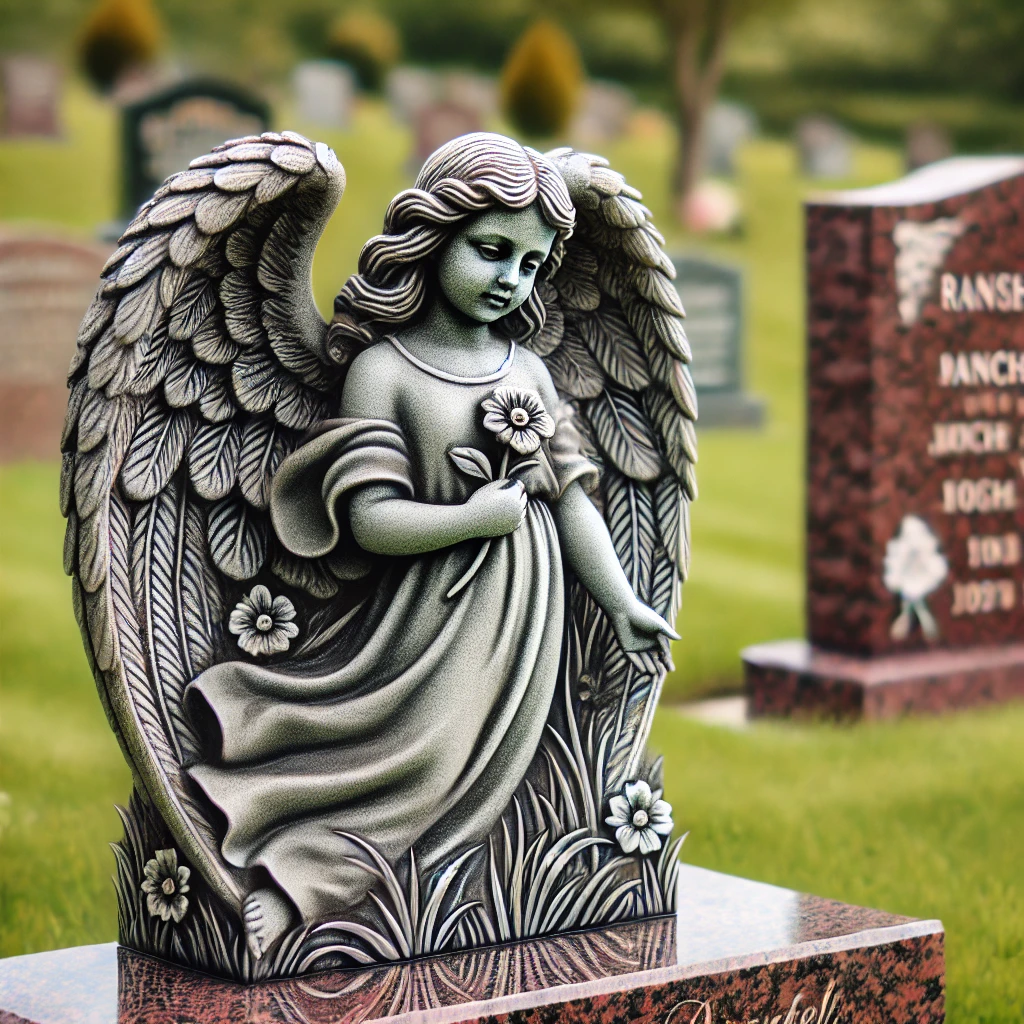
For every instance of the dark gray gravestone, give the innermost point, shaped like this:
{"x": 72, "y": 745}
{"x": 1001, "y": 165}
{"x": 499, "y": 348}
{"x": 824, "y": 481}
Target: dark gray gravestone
{"x": 162, "y": 132}
{"x": 712, "y": 295}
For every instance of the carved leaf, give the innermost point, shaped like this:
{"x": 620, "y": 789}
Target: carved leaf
{"x": 575, "y": 279}
{"x": 156, "y": 451}
{"x": 666, "y": 590}
{"x": 238, "y": 538}
{"x": 261, "y": 454}
{"x": 629, "y": 513}
{"x": 472, "y": 462}
{"x": 676, "y": 430}
{"x": 308, "y": 574}
{"x": 624, "y": 435}
{"x": 213, "y": 459}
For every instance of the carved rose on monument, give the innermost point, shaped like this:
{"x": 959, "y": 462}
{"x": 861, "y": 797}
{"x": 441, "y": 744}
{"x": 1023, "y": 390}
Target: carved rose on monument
{"x": 914, "y": 567}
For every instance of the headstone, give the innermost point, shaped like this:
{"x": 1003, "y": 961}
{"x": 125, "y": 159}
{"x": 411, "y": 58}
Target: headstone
{"x": 927, "y": 142}
{"x": 603, "y": 114}
{"x": 478, "y": 93}
{"x": 727, "y": 127}
{"x": 31, "y": 95}
{"x": 826, "y": 148}
{"x": 915, "y": 489}
{"x": 324, "y": 91}
{"x": 712, "y": 294}
{"x": 164, "y": 131}
{"x": 409, "y": 90}
{"x": 46, "y": 284}
{"x": 439, "y": 123}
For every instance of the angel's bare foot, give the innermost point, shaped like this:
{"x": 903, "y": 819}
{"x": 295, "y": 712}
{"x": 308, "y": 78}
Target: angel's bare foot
{"x": 267, "y": 915}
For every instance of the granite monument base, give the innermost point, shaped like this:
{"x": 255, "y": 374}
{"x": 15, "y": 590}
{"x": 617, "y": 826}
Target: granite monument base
{"x": 735, "y": 951}
{"x": 790, "y": 678}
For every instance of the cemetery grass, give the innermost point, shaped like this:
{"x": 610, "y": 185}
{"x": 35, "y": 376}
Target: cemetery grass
{"x": 920, "y": 817}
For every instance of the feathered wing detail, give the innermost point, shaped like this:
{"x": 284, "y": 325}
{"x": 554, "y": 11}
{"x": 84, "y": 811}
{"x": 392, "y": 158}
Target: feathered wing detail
{"x": 200, "y": 363}
{"x": 618, "y": 353}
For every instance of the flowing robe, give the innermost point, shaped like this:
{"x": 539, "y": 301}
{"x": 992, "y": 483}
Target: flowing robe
{"x": 413, "y": 728}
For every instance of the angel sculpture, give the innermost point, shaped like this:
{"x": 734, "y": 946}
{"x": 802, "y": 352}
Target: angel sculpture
{"x": 379, "y": 609}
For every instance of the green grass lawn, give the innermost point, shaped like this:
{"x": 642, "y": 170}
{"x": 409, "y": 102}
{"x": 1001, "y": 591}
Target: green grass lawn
{"x": 921, "y": 817}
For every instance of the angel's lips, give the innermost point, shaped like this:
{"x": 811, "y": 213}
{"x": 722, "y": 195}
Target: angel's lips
{"x": 497, "y": 301}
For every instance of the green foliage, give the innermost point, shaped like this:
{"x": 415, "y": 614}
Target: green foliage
{"x": 118, "y": 35}
{"x": 368, "y": 42}
{"x": 541, "y": 80}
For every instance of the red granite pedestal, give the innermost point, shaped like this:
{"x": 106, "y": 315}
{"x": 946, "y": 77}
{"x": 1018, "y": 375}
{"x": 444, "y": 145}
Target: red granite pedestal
{"x": 735, "y": 951}
{"x": 791, "y": 678}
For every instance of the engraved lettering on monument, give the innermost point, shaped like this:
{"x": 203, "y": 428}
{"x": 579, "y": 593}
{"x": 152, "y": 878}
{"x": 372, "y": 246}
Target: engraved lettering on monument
{"x": 380, "y": 609}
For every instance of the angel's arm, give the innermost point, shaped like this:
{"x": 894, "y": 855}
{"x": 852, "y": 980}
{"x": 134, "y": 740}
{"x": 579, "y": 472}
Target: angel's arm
{"x": 385, "y": 522}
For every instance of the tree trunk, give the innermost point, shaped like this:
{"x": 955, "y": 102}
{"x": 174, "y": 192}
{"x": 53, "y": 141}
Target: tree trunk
{"x": 700, "y": 32}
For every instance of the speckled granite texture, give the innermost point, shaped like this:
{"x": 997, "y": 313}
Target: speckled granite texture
{"x": 791, "y": 679}
{"x": 875, "y": 395}
{"x": 737, "y": 951}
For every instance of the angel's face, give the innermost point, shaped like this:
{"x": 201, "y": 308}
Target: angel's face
{"x": 490, "y": 267}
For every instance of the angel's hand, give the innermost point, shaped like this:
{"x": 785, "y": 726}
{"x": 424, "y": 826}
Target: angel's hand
{"x": 497, "y": 508}
{"x": 640, "y": 628}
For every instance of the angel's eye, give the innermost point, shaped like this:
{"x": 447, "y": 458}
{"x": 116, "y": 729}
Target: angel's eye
{"x": 490, "y": 250}
{"x": 529, "y": 267}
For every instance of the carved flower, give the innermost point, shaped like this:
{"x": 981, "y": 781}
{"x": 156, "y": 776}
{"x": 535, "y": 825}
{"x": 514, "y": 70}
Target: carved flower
{"x": 640, "y": 818}
{"x": 518, "y": 417}
{"x": 263, "y": 624}
{"x": 914, "y": 566}
{"x": 165, "y": 886}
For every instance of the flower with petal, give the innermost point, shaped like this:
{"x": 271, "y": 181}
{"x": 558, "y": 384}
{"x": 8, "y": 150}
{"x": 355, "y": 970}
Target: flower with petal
{"x": 263, "y": 624}
{"x": 914, "y": 565}
{"x": 165, "y": 886}
{"x": 640, "y": 818}
{"x": 518, "y": 417}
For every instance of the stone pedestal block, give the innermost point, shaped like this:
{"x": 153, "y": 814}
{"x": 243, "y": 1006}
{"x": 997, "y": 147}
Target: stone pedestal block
{"x": 735, "y": 951}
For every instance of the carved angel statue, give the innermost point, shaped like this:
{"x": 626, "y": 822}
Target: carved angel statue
{"x": 383, "y": 605}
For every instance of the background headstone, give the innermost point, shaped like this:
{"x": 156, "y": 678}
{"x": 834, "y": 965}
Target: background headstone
{"x": 409, "y": 90}
{"x": 927, "y": 142}
{"x": 31, "y": 95}
{"x": 826, "y": 148}
{"x": 164, "y": 131}
{"x": 46, "y": 283}
{"x": 915, "y": 469}
{"x": 603, "y": 114}
{"x": 324, "y": 91}
{"x": 712, "y": 295}
{"x": 439, "y": 123}
{"x": 478, "y": 93}
{"x": 727, "y": 127}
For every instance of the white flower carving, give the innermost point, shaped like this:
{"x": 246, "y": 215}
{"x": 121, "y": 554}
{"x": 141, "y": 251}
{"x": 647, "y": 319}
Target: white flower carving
{"x": 165, "y": 886}
{"x": 263, "y": 624}
{"x": 920, "y": 251}
{"x": 640, "y": 818}
{"x": 518, "y": 417}
{"x": 914, "y": 566}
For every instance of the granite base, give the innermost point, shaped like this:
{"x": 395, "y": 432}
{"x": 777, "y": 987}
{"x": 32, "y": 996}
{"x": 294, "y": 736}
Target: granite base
{"x": 792, "y": 679}
{"x": 735, "y": 951}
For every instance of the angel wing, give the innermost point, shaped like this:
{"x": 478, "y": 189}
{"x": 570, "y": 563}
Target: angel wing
{"x": 615, "y": 346}
{"x": 200, "y": 363}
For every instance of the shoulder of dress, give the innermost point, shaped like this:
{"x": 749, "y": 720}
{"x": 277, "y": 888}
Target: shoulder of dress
{"x": 378, "y": 358}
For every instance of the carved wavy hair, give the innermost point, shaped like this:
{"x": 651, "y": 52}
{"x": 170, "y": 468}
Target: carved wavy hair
{"x": 463, "y": 178}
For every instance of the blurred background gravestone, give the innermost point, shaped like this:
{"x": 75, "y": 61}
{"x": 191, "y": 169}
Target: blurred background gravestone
{"x": 31, "y": 95}
{"x": 46, "y": 283}
{"x": 164, "y": 131}
{"x": 825, "y": 146}
{"x": 436, "y": 124}
{"x": 603, "y": 114}
{"x": 478, "y": 93}
{"x": 712, "y": 295}
{"x": 324, "y": 91}
{"x": 727, "y": 127}
{"x": 409, "y": 90}
{"x": 927, "y": 142}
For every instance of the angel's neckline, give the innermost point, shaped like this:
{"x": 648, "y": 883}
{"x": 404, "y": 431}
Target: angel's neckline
{"x": 454, "y": 378}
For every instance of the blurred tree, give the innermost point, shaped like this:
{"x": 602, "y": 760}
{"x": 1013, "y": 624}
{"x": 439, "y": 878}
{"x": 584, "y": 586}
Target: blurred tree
{"x": 117, "y": 36}
{"x": 541, "y": 80}
{"x": 368, "y": 42}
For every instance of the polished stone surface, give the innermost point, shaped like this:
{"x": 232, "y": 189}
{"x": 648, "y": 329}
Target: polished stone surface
{"x": 791, "y": 678}
{"x": 736, "y": 950}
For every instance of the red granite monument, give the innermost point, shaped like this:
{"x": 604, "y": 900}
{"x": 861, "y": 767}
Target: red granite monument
{"x": 915, "y": 471}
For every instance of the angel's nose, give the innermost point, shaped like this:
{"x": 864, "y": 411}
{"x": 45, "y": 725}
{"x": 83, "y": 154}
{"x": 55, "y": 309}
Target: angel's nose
{"x": 509, "y": 276}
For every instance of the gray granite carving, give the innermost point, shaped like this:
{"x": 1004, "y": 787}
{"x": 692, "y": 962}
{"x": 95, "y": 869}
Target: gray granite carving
{"x": 379, "y": 609}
